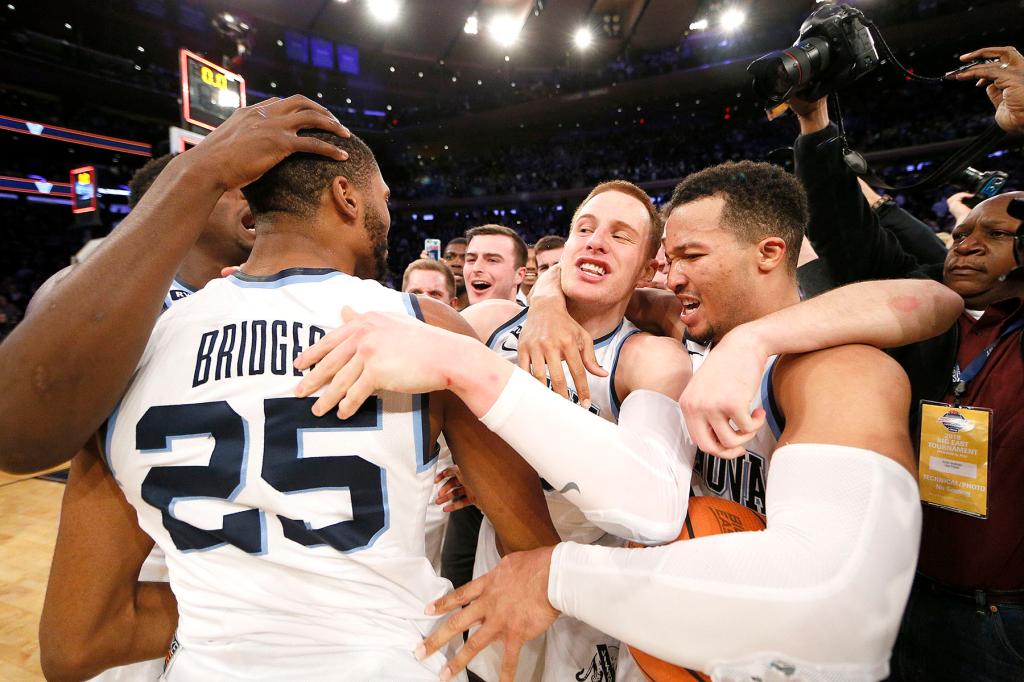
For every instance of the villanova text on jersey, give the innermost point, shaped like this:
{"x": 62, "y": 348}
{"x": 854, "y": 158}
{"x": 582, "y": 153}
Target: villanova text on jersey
{"x": 252, "y": 347}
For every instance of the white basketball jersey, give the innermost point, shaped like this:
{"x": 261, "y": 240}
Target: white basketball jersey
{"x": 295, "y": 544}
{"x": 743, "y": 479}
{"x": 570, "y": 649}
{"x": 177, "y": 291}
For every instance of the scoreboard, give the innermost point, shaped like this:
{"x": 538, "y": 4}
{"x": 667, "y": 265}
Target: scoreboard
{"x": 83, "y": 190}
{"x": 209, "y": 93}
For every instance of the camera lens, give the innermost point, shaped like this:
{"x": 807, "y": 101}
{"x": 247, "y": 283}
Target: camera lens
{"x": 779, "y": 75}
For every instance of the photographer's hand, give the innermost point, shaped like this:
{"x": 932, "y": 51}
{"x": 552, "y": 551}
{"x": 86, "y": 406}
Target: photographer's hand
{"x": 1004, "y": 81}
{"x": 813, "y": 116}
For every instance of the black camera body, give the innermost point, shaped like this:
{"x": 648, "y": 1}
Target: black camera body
{"x": 835, "y": 47}
{"x": 983, "y": 185}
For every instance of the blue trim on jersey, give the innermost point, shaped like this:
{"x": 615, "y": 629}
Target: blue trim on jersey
{"x": 412, "y": 306}
{"x": 283, "y": 278}
{"x": 607, "y": 338}
{"x": 776, "y": 420}
{"x": 420, "y": 406}
{"x": 505, "y": 327}
{"x": 614, "y": 397}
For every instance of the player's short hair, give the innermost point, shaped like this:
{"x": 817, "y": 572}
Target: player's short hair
{"x": 549, "y": 243}
{"x": 145, "y": 177}
{"x": 434, "y": 265}
{"x": 456, "y": 240}
{"x": 657, "y": 223}
{"x": 296, "y": 184}
{"x": 517, "y": 241}
{"x": 761, "y": 201}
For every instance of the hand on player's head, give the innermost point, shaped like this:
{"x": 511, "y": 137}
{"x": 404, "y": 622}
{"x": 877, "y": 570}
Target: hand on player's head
{"x": 256, "y": 138}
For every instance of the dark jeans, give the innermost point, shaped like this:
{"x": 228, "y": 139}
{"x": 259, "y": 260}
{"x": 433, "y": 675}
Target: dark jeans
{"x": 945, "y": 636}
{"x": 458, "y": 553}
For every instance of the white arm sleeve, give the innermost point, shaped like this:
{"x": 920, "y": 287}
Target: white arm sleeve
{"x": 631, "y": 479}
{"x": 821, "y": 591}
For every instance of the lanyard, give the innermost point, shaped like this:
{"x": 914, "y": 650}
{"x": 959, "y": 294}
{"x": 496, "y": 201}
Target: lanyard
{"x": 962, "y": 378}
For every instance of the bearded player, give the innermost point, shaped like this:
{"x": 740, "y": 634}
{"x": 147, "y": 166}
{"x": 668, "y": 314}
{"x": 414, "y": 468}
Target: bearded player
{"x": 294, "y": 542}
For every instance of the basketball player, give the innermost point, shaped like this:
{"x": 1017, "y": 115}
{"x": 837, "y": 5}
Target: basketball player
{"x": 495, "y": 263}
{"x": 226, "y": 239}
{"x": 80, "y": 346}
{"x": 294, "y": 542}
{"x": 613, "y": 237}
{"x": 455, "y": 256}
{"x": 819, "y": 594}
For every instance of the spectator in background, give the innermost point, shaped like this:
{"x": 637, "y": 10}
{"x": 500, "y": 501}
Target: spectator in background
{"x": 549, "y": 252}
{"x": 495, "y": 263}
{"x": 431, "y": 278}
{"x": 455, "y": 256}
{"x": 965, "y": 617}
{"x": 523, "y": 297}
{"x": 957, "y": 206}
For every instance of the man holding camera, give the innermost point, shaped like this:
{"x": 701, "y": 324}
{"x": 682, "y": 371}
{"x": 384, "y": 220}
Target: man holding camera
{"x": 965, "y": 617}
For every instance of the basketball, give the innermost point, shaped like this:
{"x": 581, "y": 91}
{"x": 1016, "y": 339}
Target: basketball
{"x": 705, "y": 516}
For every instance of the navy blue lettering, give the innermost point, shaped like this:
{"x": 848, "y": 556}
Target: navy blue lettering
{"x": 296, "y": 346}
{"x": 227, "y": 344}
{"x": 240, "y": 363}
{"x": 202, "y": 373}
{"x": 259, "y": 334}
{"x": 278, "y": 358}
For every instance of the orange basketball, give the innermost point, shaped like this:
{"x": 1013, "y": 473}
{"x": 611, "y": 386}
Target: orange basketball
{"x": 704, "y": 516}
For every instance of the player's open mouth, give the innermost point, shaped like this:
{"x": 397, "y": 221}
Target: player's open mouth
{"x": 248, "y": 222}
{"x": 591, "y": 270}
{"x": 690, "y": 307}
{"x": 480, "y": 285}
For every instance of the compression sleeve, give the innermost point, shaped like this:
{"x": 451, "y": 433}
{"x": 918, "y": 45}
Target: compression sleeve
{"x": 631, "y": 479}
{"x": 820, "y": 592}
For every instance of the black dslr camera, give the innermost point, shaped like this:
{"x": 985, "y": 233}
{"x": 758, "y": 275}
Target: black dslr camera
{"x": 835, "y": 48}
{"x": 983, "y": 185}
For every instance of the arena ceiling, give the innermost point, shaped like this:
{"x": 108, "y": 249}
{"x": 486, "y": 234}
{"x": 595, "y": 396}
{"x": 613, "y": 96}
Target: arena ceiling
{"x": 433, "y": 30}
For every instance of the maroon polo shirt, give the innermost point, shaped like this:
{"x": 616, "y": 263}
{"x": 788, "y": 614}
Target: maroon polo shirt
{"x": 958, "y": 550}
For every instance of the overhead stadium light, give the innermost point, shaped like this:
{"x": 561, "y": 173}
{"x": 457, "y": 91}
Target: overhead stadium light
{"x": 472, "y": 26}
{"x": 699, "y": 25}
{"x": 504, "y": 29}
{"x": 731, "y": 20}
{"x": 583, "y": 38}
{"x": 384, "y": 11}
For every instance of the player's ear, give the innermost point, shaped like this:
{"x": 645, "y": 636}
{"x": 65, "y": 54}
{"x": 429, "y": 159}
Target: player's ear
{"x": 520, "y": 275}
{"x": 344, "y": 198}
{"x": 771, "y": 253}
{"x": 647, "y": 272}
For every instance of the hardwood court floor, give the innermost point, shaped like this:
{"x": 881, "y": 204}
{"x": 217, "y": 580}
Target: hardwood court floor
{"x": 29, "y": 509}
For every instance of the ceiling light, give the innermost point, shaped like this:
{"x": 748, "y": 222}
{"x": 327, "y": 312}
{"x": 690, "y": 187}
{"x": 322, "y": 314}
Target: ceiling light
{"x": 699, "y": 25}
{"x": 229, "y": 99}
{"x": 504, "y": 29}
{"x": 472, "y": 26}
{"x": 384, "y": 11}
{"x": 140, "y": 48}
{"x": 583, "y": 38}
{"x": 731, "y": 20}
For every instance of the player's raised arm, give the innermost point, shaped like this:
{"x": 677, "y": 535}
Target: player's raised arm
{"x": 97, "y": 614}
{"x": 880, "y": 313}
{"x": 76, "y": 350}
